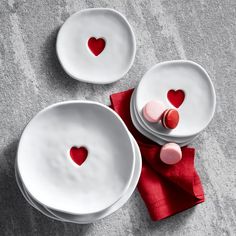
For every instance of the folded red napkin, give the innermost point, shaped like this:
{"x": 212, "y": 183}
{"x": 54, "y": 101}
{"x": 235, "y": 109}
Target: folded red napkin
{"x": 165, "y": 189}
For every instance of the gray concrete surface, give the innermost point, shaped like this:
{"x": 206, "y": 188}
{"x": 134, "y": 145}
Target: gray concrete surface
{"x": 31, "y": 78}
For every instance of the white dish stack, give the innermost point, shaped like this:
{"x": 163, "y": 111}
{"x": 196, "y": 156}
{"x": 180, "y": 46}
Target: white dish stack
{"x": 195, "y": 111}
{"x": 55, "y": 184}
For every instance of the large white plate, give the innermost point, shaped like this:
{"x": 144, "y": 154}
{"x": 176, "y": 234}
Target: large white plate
{"x": 89, "y": 218}
{"x": 198, "y": 107}
{"x": 77, "y": 59}
{"x": 50, "y": 175}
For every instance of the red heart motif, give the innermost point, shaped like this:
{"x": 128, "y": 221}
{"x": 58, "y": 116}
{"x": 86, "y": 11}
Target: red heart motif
{"x": 176, "y": 97}
{"x": 79, "y": 155}
{"x": 96, "y": 45}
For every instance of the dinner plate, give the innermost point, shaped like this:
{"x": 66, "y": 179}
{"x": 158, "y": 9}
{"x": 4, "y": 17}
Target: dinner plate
{"x": 190, "y": 83}
{"x": 96, "y": 45}
{"x": 46, "y": 167}
{"x": 89, "y": 218}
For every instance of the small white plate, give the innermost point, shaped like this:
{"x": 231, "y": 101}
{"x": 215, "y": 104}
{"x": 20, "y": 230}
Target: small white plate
{"x": 198, "y": 107}
{"x": 48, "y": 171}
{"x": 85, "y": 219}
{"x": 103, "y": 24}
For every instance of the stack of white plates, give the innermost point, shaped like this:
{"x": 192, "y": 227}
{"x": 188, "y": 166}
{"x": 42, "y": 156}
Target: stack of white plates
{"x": 79, "y": 186}
{"x": 195, "y": 111}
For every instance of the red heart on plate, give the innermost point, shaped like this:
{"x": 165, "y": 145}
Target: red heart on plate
{"x": 79, "y": 155}
{"x": 176, "y": 97}
{"x": 96, "y": 45}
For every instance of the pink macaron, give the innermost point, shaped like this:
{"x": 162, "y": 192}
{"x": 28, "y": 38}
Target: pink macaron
{"x": 171, "y": 153}
{"x": 153, "y": 111}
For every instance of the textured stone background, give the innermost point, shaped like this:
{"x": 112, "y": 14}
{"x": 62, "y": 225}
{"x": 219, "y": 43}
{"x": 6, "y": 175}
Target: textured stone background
{"x": 31, "y": 78}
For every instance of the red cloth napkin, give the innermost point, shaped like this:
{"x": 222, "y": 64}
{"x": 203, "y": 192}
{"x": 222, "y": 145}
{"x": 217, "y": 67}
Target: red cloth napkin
{"x": 165, "y": 189}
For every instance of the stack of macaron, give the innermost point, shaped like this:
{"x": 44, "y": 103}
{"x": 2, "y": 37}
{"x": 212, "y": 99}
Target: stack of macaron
{"x": 155, "y": 111}
{"x": 172, "y": 104}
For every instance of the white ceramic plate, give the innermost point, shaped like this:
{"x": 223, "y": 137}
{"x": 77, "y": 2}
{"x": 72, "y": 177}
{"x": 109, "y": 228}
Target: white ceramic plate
{"x": 74, "y": 52}
{"x": 48, "y": 172}
{"x": 85, "y": 219}
{"x": 142, "y": 129}
{"x": 198, "y": 106}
